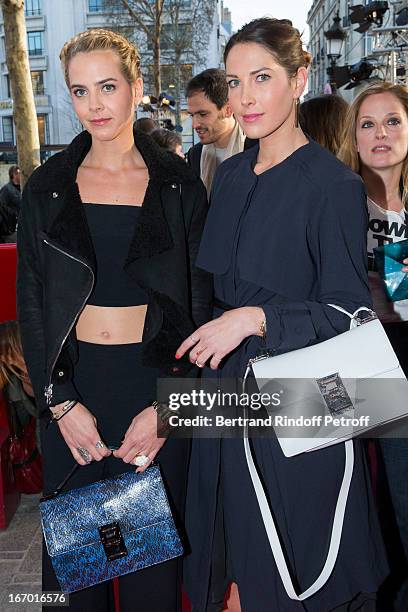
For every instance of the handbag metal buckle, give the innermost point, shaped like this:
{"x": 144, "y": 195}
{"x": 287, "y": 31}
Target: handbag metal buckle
{"x": 370, "y": 315}
{"x": 112, "y": 541}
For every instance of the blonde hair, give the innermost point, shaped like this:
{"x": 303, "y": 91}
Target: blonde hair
{"x": 10, "y": 351}
{"x": 98, "y": 39}
{"x": 348, "y": 151}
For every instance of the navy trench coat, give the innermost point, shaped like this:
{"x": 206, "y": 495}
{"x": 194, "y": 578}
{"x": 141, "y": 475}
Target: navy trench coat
{"x": 292, "y": 240}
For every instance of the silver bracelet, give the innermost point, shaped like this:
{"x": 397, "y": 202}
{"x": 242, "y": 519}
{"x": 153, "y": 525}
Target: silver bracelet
{"x": 163, "y": 411}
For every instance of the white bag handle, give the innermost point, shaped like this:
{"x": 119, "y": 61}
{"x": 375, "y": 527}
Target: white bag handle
{"x": 338, "y": 520}
{"x": 273, "y": 536}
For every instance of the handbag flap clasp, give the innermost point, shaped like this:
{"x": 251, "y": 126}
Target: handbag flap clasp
{"x": 370, "y": 315}
{"x": 112, "y": 541}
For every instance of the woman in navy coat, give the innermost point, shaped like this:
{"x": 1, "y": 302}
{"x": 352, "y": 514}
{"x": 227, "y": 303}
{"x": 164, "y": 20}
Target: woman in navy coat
{"x": 284, "y": 238}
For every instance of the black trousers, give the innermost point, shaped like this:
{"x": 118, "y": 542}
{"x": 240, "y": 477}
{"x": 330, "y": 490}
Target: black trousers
{"x": 115, "y": 386}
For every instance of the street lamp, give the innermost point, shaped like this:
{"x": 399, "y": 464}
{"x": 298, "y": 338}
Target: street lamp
{"x": 335, "y": 36}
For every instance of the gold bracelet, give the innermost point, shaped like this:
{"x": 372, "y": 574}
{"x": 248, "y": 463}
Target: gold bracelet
{"x": 262, "y": 328}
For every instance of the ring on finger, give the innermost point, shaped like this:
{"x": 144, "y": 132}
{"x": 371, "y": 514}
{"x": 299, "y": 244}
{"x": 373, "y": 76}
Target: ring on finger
{"x": 141, "y": 460}
{"x": 86, "y": 455}
{"x": 99, "y": 444}
{"x": 193, "y": 339}
{"x": 198, "y": 364}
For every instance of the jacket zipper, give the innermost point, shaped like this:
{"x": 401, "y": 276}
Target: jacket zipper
{"x": 49, "y": 387}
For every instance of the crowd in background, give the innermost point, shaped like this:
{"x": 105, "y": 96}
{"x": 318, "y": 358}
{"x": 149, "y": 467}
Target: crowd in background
{"x": 369, "y": 136}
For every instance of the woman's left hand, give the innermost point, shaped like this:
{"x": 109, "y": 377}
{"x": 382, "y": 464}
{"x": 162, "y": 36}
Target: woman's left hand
{"x": 214, "y": 340}
{"x": 141, "y": 439}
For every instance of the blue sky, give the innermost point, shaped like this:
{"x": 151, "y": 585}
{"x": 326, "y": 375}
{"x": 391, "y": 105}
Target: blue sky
{"x": 295, "y": 10}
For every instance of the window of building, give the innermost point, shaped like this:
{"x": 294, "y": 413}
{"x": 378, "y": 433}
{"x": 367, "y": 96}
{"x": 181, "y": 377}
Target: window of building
{"x": 8, "y": 129}
{"x": 170, "y": 37}
{"x": 42, "y": 121}
{"x": 105, "y": 6}
{"x": 181, "y": 3}
{"x": 168, "y": 77}
{"x": 35, "y": 43}
{"x": 369, "y": 44}
{"x": 37, "y": 79}
{"x": 96, "y": 6}
{"x": 32, "y": 7}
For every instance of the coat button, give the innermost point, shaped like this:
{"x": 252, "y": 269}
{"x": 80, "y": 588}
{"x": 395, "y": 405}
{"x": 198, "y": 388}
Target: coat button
{"x": 60, "y": 373}
{"x": 55, "y": 194}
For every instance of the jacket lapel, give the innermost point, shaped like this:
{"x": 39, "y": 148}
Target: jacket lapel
{"x": 70, "y": 228}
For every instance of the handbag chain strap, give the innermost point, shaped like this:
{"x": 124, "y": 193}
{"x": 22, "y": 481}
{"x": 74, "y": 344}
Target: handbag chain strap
{"x": 339, "y": 513}
{"x": 62, "y": 484}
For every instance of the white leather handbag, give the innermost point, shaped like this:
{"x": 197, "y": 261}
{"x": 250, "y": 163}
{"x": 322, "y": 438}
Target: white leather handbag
{"x": 362, "y": 353}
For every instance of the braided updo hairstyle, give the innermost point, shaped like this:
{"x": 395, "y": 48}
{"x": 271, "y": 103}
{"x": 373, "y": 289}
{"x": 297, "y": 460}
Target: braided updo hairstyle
{"x": 279, "y": 37}
{"x": 98, "y": 39}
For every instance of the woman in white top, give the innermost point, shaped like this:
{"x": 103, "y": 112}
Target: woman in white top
{"x": 375, "y": 145}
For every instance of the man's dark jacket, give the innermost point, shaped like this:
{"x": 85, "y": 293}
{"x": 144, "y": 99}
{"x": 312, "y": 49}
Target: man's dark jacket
{"x": 194, "y": 154}
{"x": 10, "y": 199}
{"x": 56, "y": 265}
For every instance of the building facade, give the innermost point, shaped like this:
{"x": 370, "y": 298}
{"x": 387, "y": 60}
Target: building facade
{"x": 49, "y": 25}
{"x": 357, "y": 46}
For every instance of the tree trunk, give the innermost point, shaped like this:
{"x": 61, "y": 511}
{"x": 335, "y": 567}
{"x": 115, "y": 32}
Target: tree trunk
{"x": 24, "y": 112}
{"x": 156, "y": 50}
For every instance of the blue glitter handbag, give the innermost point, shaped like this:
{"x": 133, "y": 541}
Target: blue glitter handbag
{"x": 108, "y": 528}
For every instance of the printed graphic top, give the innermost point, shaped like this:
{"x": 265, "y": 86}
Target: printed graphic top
{"x": 385, "y": 226}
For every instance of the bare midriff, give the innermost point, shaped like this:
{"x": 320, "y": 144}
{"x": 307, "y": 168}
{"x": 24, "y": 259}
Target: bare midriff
{"x": 111, "y": 324}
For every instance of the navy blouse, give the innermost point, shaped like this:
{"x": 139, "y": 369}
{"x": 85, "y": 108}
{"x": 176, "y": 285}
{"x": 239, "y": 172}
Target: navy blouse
{"x": 291, "y": 240}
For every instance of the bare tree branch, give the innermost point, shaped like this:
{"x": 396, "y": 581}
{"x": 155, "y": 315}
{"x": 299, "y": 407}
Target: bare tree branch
{"x": 147, "y": 16}
{"x": 175, "y": 32}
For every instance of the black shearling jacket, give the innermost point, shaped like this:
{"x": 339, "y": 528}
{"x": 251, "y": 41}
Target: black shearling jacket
{"x": 56, "y": 265}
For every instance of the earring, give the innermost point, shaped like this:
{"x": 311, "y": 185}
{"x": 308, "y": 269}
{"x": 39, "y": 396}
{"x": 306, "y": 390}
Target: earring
{"x": 297, "y": 112}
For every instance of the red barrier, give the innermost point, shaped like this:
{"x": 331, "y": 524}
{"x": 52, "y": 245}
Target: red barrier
{"x": 8, "y": 265}
{"x": 9, "y": 496}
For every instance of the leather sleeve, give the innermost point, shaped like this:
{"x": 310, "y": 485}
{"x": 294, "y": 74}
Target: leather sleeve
{"x": 30, "y": 296}
{"x": 30, "y": 310}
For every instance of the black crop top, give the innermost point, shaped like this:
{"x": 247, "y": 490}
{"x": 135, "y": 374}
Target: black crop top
{"x": 112, "y": 227}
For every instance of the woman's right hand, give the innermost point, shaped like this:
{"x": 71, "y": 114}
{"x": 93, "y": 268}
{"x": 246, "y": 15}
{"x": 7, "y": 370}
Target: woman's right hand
{"x": 78, "y": 428}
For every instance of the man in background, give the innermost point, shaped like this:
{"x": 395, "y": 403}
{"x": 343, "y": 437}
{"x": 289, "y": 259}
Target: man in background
{"x": 10, "y": 201}
{"x": 219, "y": 133}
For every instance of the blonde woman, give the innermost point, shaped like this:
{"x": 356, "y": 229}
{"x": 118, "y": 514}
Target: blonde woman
{"x": 375, "y": 144}
{"x": 107, "y": 287}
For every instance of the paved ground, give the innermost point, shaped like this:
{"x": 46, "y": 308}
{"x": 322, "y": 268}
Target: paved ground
{"x": 20, "y": 561}
{"x": 20, "y": 557}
